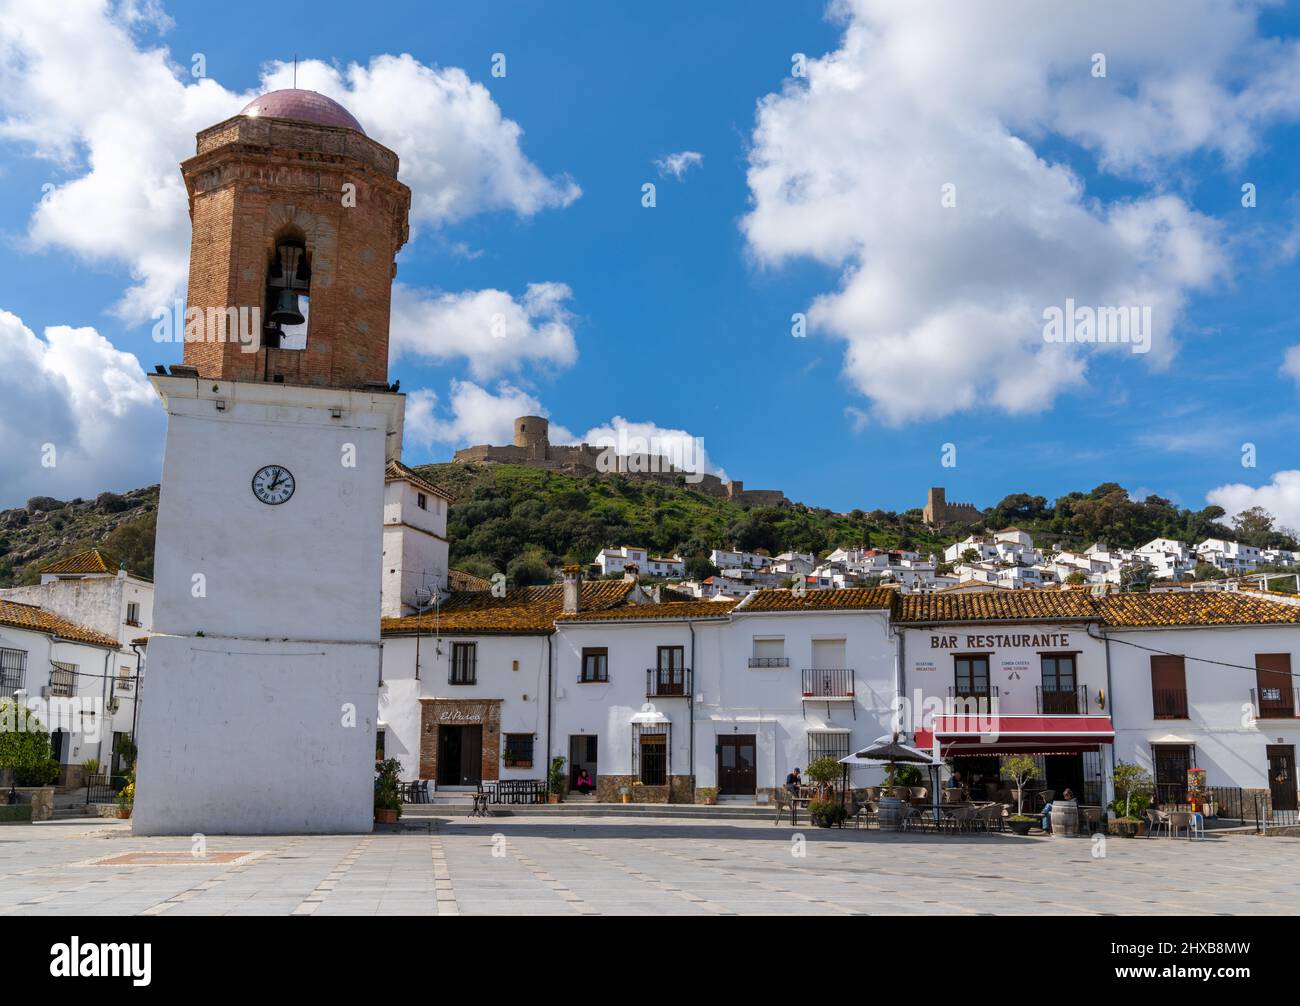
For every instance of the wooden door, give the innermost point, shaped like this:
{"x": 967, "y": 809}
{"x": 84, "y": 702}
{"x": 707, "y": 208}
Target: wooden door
{"x": 1281, "y": 776}
{"x": 737, "y": 765}
{"x": 1273, "y": 679}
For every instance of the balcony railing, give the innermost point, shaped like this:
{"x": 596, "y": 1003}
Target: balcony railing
{"x": 667, "y": 681}
{"x": 828, "y": 683}
{"x": 1274, "y": 703}
{"x": 769, "y": 661}
{"x": 962, "y": 699}
{"x": 1062, "y": 701}
{"x": 1169, "y": 703}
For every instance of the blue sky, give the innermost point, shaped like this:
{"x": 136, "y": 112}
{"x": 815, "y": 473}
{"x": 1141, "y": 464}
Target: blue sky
{"x": 924, "y": 330}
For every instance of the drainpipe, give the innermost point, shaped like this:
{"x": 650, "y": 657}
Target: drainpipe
{"x": 1110, "y": 690}
{"x": 135, "y": 692}
{"x": 690, "y": 705}
{"x": 550, "y": 691}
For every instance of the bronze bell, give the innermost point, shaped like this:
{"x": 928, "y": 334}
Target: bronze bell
{"x": 286, "y": 309}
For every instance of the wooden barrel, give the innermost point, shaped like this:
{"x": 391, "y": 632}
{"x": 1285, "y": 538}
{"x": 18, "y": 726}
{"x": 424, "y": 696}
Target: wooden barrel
{"x": 889, "y": 813}
{"x": 1065, "y": 817}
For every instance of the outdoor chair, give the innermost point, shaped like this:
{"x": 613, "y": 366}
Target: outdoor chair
{"x": 781, "y": 801}
{"x": 991, "y": 816}
{"x": 1178, "y": 820}
{"x": 901, "y": 793}
{"x": 1156, "y": 819}
{"x": 873, "y": 793}
{"x": 1090, "y": 817}
{"x": 951, "y": 795}
{"x": 866, "y": 816}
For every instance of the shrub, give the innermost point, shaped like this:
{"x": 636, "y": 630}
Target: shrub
{"x": 44, "y": 773}
{"x": 557, "y": 780}
{"x": 825, "y": 771}
{"x": 826, "y": 813}
{"x": 388, "y": 794}
{"x": 904, "y": 775}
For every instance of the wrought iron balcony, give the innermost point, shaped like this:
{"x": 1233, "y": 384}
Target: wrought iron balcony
{"x": 828, "y": 683}
{"x": 1274, "y": 703}
{"x": 667, "y": 682}
{"x": 1169, "y": 703}
{"x": 1062, "y": 701}
{"x": 769, "y": 661}
{"x": 963, "y": 699}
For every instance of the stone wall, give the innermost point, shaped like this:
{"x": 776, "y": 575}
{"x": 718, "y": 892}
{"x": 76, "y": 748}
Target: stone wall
{"x": 434, "y": 713}
{"x": 680, "y": 789}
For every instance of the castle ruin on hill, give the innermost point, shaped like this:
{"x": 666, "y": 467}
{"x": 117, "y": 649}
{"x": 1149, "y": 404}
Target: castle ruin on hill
{"x": 533, "y": 447}
{"x": 939, "y": 512}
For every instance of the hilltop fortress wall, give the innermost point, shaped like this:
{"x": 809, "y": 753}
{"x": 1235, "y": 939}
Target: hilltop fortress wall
{"x": 532, "y": 447}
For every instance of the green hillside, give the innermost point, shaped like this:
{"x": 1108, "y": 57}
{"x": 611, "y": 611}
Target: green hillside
{"x": 525, "y": 522}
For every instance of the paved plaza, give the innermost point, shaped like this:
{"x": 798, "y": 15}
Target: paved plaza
{"x": 616, "y": 866}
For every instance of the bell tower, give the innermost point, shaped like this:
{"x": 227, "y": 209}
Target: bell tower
{"x": 264, "y": 666}
{"x": 296, "y": 213}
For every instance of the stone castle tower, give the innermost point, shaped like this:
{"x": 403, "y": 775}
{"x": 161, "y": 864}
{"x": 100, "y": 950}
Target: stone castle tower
{"x": 291, "y": 195}
{"x": 938, "y": 511}
{"x": 532, "y": 435}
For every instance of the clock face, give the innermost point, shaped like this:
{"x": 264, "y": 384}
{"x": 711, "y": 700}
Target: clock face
{"x": 273, "y": 484}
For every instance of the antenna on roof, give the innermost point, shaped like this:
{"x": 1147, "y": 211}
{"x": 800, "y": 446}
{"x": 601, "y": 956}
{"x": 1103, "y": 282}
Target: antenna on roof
{"x": 295, "y": 71}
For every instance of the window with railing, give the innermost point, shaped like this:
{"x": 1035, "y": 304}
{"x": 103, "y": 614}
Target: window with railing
{"x": 971, "y": 676}
{"x": 464, "y": 664}
{"x": 670, "y": 675}
{"x": 769, "y": 651}
{"x": 63, "y": 679}
{"x": 1168, "y": 687}
{"x": 133, "y": 613}
{"x": 827, "y": 744}
{"x": 1059, "y": 691}
{"x": 828, "y": 682}
{"x": 1275, "y": 693}
{"x": 519, "y": 751}
{"x": 651, "y": 753}
{"x": 13, "y": 671}
{"x": 595, "y": 664}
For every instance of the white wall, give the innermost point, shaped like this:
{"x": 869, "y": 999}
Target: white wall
{"x": 522, "y": 691}
{"x": 251, "y": 679}
{"x": 414, "y": 546}
{"x": 1230, "y": 743}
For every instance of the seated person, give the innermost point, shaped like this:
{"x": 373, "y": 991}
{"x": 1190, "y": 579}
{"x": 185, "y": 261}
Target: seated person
{"x": 584, "y": 783}
{"x": 1047, "y": 809}
{"x": 793, "y": 781}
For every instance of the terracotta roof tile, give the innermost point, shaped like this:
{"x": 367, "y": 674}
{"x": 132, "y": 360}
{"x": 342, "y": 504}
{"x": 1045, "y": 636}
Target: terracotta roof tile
{"x": 30, "y": 616}
{"x": 983, "y": 606}
{"x": 841, "y": 599}
{"x": 90, "y": 561}
{"x": 522, "y": 610}
{"x": 1219, "y": 607}
{"x": 459, "y": 580}
{"x": 655, "y": 612}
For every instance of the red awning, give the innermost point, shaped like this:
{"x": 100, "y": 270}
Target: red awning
{"x": 1009, "y": 734}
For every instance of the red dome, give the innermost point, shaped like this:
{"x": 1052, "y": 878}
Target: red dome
{"x": 303, "y": 106}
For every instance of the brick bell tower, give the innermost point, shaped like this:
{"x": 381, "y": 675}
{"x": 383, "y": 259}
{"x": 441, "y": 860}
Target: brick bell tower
{"x": 264, "y": 664}
{"x": 290, "y": 197}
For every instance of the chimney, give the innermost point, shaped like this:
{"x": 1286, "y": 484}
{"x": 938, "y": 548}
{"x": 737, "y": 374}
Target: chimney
{"x": 630, "y": 571}
{"x": 572, "y": 589}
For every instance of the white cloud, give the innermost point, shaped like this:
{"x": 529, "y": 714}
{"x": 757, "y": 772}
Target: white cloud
{"x": 490, "y": 329}
{"x": 1291, "y": 364}
{"x": 80, "y": 88}
{"x": 679, "y": 163}
{"x": 472, "y": 415}
{"x": 627, "y": 437}
{"x": 1280, "y": 497}
{"x": 941, "y": 308}
{"x": 74, "y": 391}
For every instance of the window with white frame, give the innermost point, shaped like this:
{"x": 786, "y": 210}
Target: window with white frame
{"x": 769, "y": 651}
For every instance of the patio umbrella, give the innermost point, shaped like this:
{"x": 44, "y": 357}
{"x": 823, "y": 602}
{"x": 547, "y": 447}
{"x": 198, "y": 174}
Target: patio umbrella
{"x": 892, "y": 750}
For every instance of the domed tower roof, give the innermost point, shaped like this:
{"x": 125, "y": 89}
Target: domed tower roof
{"x": 302, "y": 106}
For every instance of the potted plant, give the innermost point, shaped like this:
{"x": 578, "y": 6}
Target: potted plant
{"x": 1021, "y": 823}
{"x": 1132, "y": 784}
{"x": 625, "y": 793}
{"x": 126, "y": 799}
{"x": 1019, "y": 769}
{"x": 823, "y": 773}
{"x": 827, "y": 813}
{"x": 557, "y": 782}
{"x": 708, "y": 794}
{"x": 388, "y": 793}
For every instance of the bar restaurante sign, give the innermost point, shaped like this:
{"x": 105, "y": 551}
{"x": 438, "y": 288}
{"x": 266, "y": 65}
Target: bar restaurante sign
{"x": 1001, "y": 641}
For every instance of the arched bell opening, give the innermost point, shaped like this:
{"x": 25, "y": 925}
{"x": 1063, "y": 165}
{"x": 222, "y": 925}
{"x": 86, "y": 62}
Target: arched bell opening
{"x": 288, "y": 291}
